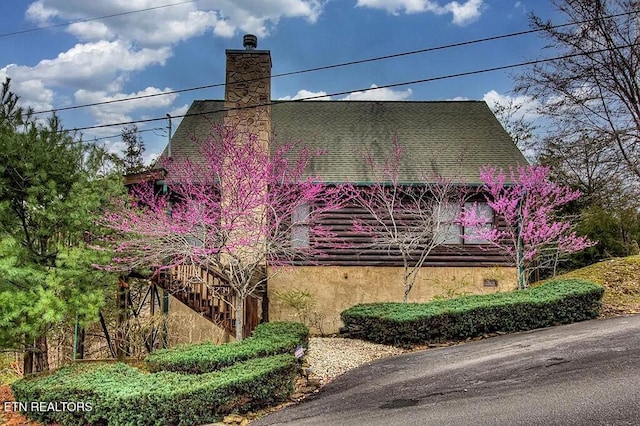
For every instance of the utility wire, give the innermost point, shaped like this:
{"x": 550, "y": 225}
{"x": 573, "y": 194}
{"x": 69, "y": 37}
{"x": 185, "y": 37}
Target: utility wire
{"x": 343, "y": 64}
{"x": 114, "y": 15}
{"x": 155, "y": 129}
{"x": 386, "y": 86}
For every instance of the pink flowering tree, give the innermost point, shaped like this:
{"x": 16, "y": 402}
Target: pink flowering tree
{"x": 239, "y": 208}
{"x": 407, "y": 220}
{"x": 527, "y": 202}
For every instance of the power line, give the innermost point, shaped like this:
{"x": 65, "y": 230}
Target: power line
{"x": 76, "y": 21}
{"x": 155, "y": 129}
{"x": 343, "y": 64}
{"x": 386, "y": 86}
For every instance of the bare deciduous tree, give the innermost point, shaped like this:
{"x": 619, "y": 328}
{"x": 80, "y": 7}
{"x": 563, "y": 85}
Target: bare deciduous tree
{"x": 409, "y": 219}
{"x": 592, "y": 97}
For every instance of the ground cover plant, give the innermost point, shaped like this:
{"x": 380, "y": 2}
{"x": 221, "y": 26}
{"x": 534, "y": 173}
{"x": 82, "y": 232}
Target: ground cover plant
{"x": 268, "y": 339}
{"x": 255, "y": 373}
{"x": 113, "y": 394}
{"x": 556, "y": 302}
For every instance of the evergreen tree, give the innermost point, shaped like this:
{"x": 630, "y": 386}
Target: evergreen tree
{"x": 50, "y": 194}
{"x": 132, "y": 153}
{"x": 11, "y": 115}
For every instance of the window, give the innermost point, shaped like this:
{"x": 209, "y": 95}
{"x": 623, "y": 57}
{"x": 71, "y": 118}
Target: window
{"x": 300, "y": 226}
{"x": 485, "y": 214}
{"x": 450, "y": 231}
{"x": 198, "y": 236}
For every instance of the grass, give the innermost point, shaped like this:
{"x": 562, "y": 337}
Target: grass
{"x": 621, "y": 279}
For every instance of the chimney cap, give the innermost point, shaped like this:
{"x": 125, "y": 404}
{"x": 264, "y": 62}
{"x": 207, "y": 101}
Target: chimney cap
{"x": 249, "y": 41}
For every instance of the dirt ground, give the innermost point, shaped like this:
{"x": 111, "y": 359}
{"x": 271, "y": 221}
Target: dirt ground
{"x": 9, "y": 418}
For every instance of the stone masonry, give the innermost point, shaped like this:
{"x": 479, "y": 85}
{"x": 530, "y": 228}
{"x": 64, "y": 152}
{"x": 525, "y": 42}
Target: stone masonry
{"x": 248, "y": 93}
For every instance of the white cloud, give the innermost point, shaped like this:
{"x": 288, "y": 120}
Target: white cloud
{"x": 378, "y": 94}
{"x": 32, "y": 93}
{"x": 304, "y": 94}
{"x": 118, "y": 112}
{"x": 97, "y": 67}
{"x": 111, "y": 49}
{"x": 372, "y": 94}
{"x": 520, "y": 106}
{"x": 39, "y": 13}
{"x": 168, "y": 25}
{"x": 93, "y": 30}
{"x": 93, "y": 66}
{"x": 115, "y": 147}
{"x": 463, "y": 13}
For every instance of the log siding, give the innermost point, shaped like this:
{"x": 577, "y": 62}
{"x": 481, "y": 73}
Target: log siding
{"x": 349, "y": 248}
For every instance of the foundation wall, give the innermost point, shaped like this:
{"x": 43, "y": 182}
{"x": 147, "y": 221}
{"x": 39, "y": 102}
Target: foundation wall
{"x": 187, "y": 326}
{"x": 336, "y": 288}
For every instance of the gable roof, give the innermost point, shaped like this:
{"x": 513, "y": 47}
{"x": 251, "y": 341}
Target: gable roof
{"x": 448, "y": 138}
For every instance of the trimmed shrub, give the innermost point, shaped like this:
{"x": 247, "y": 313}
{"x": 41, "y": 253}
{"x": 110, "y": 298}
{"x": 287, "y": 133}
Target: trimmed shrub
{"x": 251, "y": 374}
{"x": 406, "y": 324}
{"x": 268, "y": 339}
{"x": 122, "y": 395}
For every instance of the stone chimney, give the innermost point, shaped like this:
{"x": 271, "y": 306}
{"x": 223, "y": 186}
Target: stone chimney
{"x": 248, "y": 91}
{"x": 246, "y": 101}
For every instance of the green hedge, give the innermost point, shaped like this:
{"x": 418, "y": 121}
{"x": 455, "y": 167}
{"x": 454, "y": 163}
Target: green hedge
{"x": 123, "y": 395}
{"x": 268, "y": 339}
{"x": 406, "y": 324}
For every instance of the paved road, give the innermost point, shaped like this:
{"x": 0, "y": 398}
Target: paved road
{"x": 580, "y": 374}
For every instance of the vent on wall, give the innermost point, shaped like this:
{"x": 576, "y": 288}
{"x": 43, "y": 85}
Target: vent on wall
{"x": 490, "y": 282}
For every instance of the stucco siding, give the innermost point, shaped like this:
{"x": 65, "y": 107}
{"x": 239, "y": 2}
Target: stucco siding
{"x": 336, "y": 288}
{"x": 187, "y": 326}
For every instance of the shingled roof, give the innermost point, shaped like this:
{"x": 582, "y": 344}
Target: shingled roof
{"x": 449, "y": 138}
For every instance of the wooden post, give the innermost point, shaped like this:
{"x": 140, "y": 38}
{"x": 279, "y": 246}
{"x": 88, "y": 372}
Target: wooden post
{"x": 122, "y": 327}
{"x": 165, "y": 314}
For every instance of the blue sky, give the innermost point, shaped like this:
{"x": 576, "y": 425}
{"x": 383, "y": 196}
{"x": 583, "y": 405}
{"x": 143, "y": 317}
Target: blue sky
{"x": 182, "y": 46}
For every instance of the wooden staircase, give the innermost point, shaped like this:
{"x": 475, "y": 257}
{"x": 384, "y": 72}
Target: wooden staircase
{"x": 208, "y": 293}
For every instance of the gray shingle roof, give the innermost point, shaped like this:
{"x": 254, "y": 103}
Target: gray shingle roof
{"x": 450, "y": 138}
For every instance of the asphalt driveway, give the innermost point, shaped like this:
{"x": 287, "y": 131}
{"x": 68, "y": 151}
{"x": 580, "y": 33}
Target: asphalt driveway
{"x": 580, "y": 374}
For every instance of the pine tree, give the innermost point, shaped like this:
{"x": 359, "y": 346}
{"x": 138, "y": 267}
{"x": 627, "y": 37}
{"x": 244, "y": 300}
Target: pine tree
{"x": 50, "y": 195}
{"x": 132, "y": 153}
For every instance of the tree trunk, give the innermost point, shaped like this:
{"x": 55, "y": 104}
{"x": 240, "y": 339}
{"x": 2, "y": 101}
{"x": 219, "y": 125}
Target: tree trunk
{"x": 27, "y": 360}
{"x": 36, "y": 356}
{"x": 41, "y": 355}
{"x": 81, "y": 340}
{"x": 239, "y": 314}
{"x": 405, "y": 277}
{"x": 407, "y": 290}
{"x": 522, "y": 277}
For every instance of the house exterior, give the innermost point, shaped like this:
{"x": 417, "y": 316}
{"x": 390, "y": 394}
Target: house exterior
{"x": 449, "y": 138}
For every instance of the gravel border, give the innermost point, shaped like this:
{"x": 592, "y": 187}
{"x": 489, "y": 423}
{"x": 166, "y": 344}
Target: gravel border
{"x": 329, "y": 357}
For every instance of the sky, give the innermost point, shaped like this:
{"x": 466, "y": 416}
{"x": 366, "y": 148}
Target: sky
{"x": 59, "y": 56}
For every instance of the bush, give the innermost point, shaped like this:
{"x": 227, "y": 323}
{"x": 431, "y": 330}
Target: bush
{"x": 122, "y": 395}
{"x": 268, "y": 339}
{"x": 406, "y": 324}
